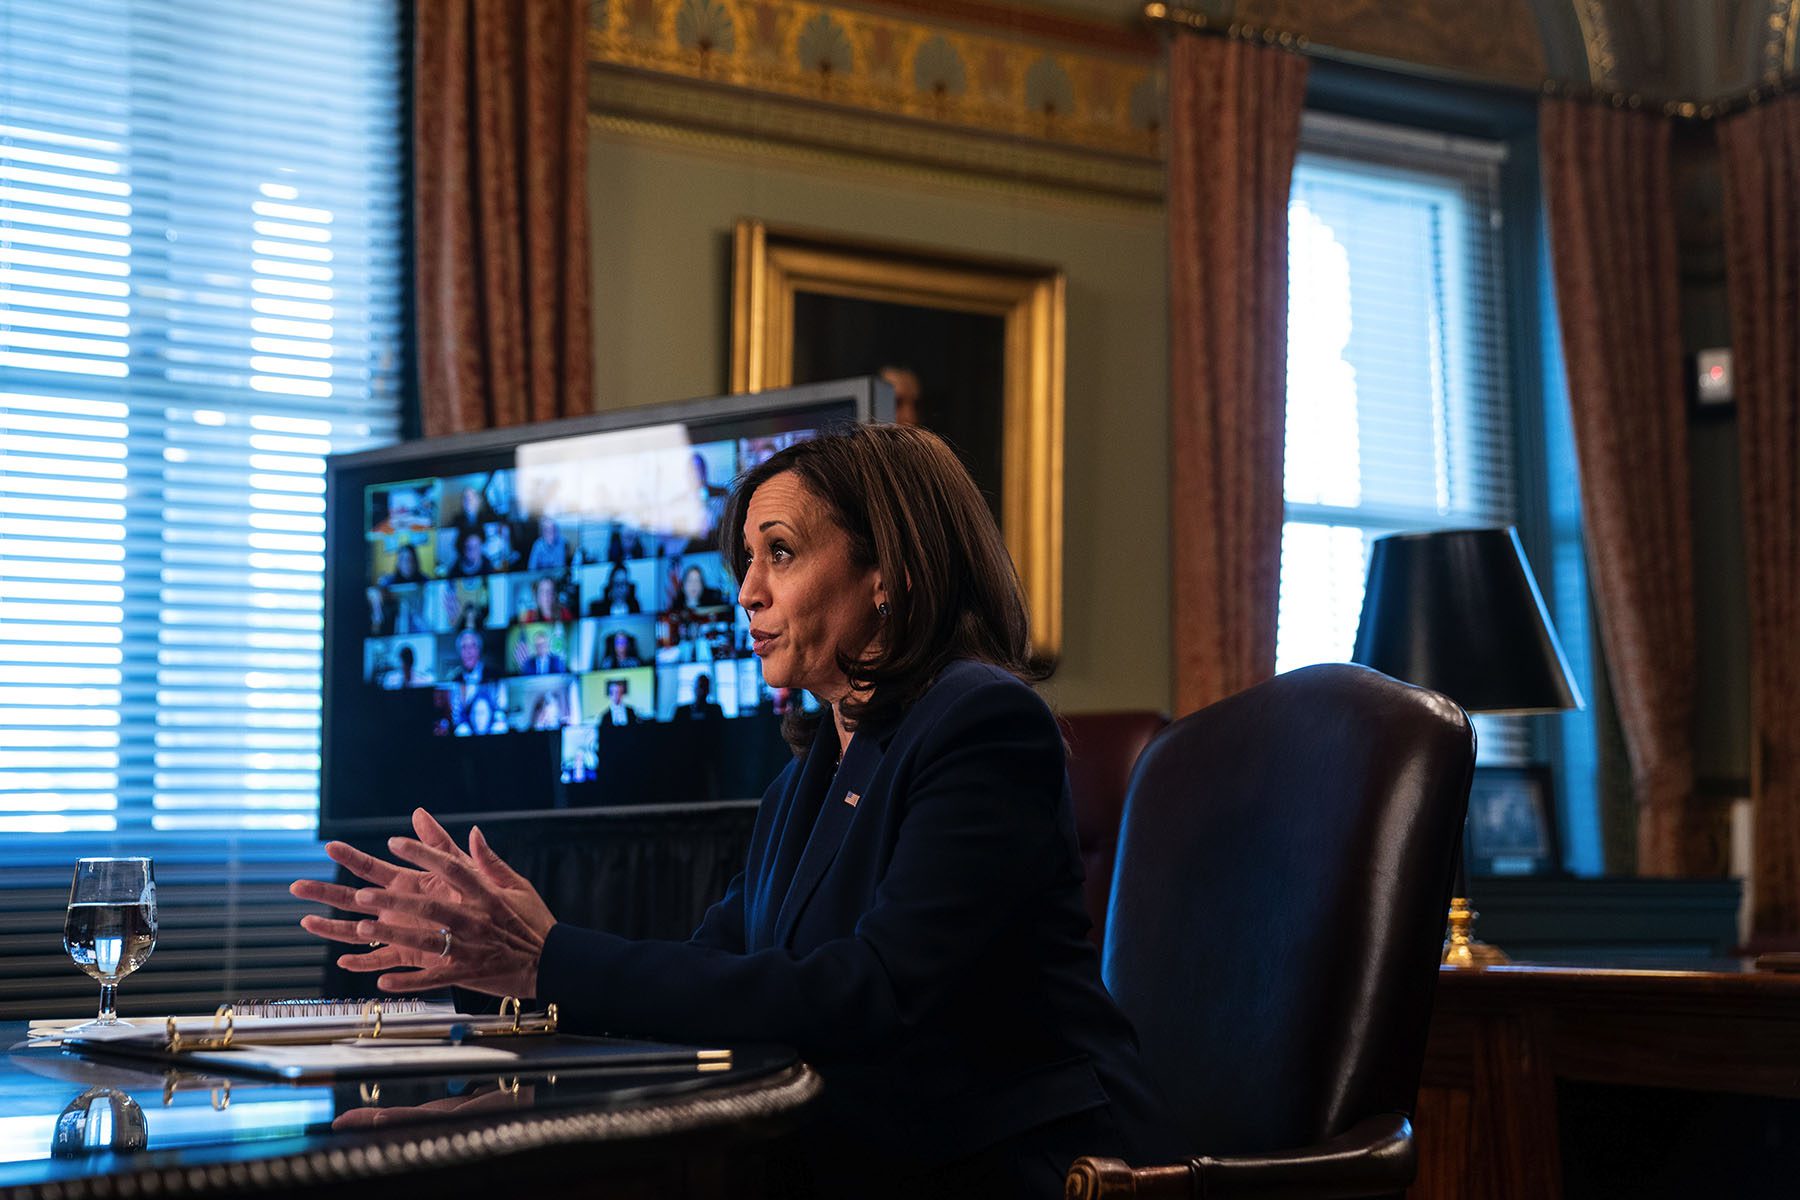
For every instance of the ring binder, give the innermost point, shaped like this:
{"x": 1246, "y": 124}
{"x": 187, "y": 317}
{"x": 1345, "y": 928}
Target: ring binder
{"x": 375, "y": 1042}
{"x": 308, "y": 1007}
{"x": 224, "y": 1030}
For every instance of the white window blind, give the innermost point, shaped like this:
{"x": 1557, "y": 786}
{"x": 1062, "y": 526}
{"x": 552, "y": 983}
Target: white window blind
{"x": 201, "y": 257}
{"x": 1399, "y": 412}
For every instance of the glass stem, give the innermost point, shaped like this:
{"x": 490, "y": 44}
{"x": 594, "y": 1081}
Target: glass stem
{"x": 107, "y": 1013}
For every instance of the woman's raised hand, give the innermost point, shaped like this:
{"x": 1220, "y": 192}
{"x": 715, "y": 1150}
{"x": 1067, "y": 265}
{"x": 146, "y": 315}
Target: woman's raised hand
{"x": 460, "y": 918}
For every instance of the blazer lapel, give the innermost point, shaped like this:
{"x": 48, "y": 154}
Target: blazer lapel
{"x": 828, "y": 830}
{"x": 804, "y": 796}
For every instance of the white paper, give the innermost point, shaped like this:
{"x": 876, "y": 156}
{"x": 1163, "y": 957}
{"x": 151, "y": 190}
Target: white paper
{"x": 352, "y": 1057}
{"x": 154, "y": 1030}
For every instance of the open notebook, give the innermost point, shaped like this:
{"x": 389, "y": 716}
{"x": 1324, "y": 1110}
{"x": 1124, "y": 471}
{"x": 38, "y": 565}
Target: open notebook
{"x": 373, "y": 1042}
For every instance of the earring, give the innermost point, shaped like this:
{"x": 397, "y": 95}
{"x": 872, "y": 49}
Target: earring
{"x": 882, "y": 608}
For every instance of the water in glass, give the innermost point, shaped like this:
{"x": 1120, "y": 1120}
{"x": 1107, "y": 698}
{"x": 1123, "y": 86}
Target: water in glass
{"x": 110, "y": 929}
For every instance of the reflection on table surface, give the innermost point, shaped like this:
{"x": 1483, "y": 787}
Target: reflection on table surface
{"x": 63, "y": 1115}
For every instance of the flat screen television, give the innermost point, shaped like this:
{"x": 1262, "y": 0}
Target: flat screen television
{"x": 535, "y": 621}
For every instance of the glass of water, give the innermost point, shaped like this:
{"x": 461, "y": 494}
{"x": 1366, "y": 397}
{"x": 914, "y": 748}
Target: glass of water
{"x": 111, "y": 927}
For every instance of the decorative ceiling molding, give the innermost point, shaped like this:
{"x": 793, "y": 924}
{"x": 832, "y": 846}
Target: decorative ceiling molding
{"x": 1496, "y": 40}
{"x": 1011, "y": 95}
{"x": 1045, "y": 24}
{"x": 1036, "y": 82}
{"x": 691, "y": 116}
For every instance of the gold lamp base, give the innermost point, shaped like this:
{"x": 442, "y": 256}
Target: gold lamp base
{"x": 1460, "y": 947}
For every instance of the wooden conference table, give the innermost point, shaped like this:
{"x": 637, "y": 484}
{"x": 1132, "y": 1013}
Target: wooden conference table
{"x": 73, "y": 1128}
{"x": 1553, "y": 1081}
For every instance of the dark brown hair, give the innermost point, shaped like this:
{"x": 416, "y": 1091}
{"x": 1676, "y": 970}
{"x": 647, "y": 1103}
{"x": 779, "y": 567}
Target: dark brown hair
{"x": 912, "y": 512}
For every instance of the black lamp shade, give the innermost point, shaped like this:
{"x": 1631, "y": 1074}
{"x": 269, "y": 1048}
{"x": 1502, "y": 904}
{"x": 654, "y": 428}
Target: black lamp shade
{"x": 1457, "y": 611}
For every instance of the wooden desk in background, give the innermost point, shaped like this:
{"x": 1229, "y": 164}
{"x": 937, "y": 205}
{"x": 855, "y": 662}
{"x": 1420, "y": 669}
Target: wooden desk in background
{"x": 1522, "y": 1058}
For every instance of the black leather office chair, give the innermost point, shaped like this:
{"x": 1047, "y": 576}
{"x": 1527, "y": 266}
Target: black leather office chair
{"x": 1276, "y": 919}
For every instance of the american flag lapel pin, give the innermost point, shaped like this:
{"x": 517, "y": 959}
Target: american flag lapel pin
{"x": 851, "y": 798}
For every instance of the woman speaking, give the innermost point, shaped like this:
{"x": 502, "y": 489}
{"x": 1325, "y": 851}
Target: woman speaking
{"x": 910, "y": 913}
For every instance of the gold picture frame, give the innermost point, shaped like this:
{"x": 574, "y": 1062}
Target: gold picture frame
{"x": 772, "y": 265}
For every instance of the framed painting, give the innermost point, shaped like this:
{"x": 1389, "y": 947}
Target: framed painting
{"x": 973, "y": 347}
{"x": 1511, "y": 828}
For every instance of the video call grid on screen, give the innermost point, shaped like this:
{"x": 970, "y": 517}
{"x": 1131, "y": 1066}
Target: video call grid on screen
{"x": 562, "y": 601}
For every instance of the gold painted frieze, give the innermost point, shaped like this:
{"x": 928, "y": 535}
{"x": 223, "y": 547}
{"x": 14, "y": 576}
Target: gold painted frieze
{"x": 927, "y": 67}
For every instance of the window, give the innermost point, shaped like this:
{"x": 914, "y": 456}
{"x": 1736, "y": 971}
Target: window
{"x": 201, "y": 255}
{"x": 1401, "y": 401}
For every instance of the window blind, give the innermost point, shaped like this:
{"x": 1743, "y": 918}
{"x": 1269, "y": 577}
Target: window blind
{"x": 1399, "y": 411}
{"x": 201, "y": 256}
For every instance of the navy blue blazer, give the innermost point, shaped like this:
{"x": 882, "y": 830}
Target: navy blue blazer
{"x": 913, "y": 923}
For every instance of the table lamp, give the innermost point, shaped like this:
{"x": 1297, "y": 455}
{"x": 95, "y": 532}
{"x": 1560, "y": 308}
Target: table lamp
{"x": 1457, "y": 611}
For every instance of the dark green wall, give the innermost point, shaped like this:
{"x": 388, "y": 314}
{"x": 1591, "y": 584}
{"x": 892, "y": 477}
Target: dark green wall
{"x": 661, "y": 213}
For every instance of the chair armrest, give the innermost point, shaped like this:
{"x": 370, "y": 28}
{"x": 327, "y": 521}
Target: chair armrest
{"x": 1374, "y": 1157}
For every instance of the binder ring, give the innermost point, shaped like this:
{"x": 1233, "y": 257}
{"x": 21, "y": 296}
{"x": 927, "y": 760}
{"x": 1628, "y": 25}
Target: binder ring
{"x": 224, "y": 1013}
{"x": 370, "y": 1092}
{"x": 513, "y": 1002}
{"x": 221, "y": 1095}
{"x": 373, "y": 1007}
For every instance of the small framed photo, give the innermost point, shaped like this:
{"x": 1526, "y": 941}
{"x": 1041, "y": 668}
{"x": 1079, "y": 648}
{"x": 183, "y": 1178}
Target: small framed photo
{"x": 1512, "y": 824}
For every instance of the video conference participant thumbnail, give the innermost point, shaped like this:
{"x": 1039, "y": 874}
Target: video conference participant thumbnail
{"x": 697, "y": 691}
{"x": 615, "y": 643}
{"x": 715, "y": 465}
{"x": 470, "y": 710}
{"x": 405, "y": 506}
{"x": 686, "y": 637}
{"x": 536, "y": 598}
{"x": 453, "y": 604}
{"x": 614, "y": 543}
{"x": 472, "y": 656}
{"x": 544, "y": 702}
{"x": 550, "y": 550}
{"x": 581, "y": 753}
{"x": 697, "y": 582}
{"x": 541, "y": 648}
{"x": 400, "y": 662}
{"x": 468, "y": 556}
{"x": 618, "y": 589}
{"x": 619, "y": 698}
{"x": 399, "y": 521}
{"x": 483, "y": 533}
{"x": 398, "y": 609}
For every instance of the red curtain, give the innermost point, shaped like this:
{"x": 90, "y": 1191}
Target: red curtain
{"x": 1234, "y": 131}
{"x": 500, "y": 211}
{"x": 1612, "y": 227}
{"x": 1760, "y": 151}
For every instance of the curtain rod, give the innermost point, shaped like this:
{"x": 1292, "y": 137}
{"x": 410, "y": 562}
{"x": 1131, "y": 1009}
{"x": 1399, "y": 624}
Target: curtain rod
{"x": 1173, "y": 16}
{"x": 1685, "y": 110}
{"x": 1158, "y": 13}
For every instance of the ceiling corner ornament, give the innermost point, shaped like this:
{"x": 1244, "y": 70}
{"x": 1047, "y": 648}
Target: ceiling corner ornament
{"x": 1778, "y": 42}
{"x": 1597, "y": 43}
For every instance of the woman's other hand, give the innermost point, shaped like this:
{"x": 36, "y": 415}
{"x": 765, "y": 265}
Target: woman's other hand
{"x": 376, "y": 871}
{"x": 462, "y": 918}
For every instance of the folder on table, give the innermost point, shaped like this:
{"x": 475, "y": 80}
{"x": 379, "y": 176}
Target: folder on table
{"x": 374, "y": 1043}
